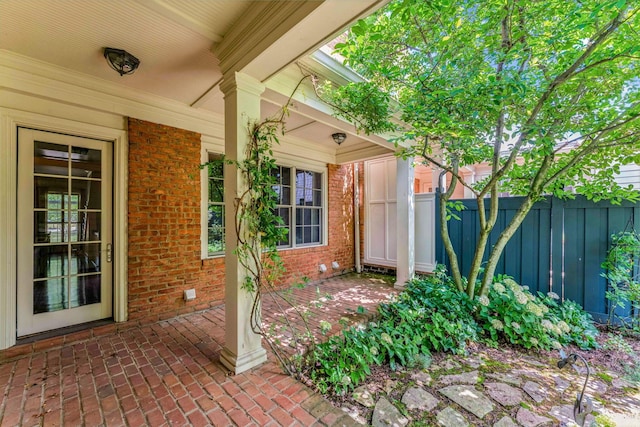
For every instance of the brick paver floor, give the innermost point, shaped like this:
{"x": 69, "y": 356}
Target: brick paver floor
{"x": 168, "y": 372}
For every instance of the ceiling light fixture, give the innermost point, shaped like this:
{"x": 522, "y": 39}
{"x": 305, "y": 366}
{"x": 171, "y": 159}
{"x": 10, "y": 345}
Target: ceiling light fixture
{"x": 339, "y": 137}
{"x": 121, "y": 60}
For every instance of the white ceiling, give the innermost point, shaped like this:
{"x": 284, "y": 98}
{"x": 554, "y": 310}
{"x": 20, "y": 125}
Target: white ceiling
{"x": 175, "y": 41}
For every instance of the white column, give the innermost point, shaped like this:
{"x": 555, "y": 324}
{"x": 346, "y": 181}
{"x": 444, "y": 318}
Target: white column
{"x": 405, "y": 228}
{"x": 243, "y": 348}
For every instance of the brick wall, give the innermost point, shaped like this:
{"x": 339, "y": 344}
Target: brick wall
{"x": 164, "y": 226}
{"x": 164, "y": 223}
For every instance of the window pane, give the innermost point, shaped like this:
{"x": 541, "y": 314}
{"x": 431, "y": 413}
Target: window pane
{"x": 85, "y": 290}
{"x": 85, "y": 194}
{"x": 317, "y": 198}
{"x": 298, "y": 235}
{"x": 216, "y": 190}
{"x": 286, "y": 195}
{"x": 48, "y": 192}
{"x": 284, "y": 214}
{"x": 215, "y": 229}
{"x": 50, "y": 261}
{"x": 215, "y": 211}
{"x": 315, "y": 217}
{"x": 50, "y": 295}
{"x": 315, "y": 234}
{"x": 50, "y": 159}
{"x": 85, "y": 258}
{"x": 317, "y": 181}
{"x": 85, "y": 162}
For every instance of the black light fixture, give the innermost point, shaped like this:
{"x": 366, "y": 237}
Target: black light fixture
{"x": 121, "y": 60}
{"x": 339, "y": 137}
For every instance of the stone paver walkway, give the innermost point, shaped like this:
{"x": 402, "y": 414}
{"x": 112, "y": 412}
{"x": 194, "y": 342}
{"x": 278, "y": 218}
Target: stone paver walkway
{"x": 168, "y": 372}
{"x": 482, "y": 391}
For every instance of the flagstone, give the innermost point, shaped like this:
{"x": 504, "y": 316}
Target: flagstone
{"x": 504, "y": 394}
{"x": 418, "y": 398}
{"x": 469, "y": 398}
{"x": 449, "y": 417}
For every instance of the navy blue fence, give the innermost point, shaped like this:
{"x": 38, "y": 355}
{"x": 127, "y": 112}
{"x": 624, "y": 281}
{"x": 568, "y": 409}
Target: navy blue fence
{"x": 559, "y": 246}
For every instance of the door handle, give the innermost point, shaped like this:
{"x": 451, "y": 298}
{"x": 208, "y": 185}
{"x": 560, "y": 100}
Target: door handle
{"x": 109, "y": 251}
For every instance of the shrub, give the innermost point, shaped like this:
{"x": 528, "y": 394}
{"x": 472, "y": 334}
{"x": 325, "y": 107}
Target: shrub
{"x": 428, "y": 316}
{"x": 582, "y": 331}
{"x": 432, "y": 315}
{"x": 512, "y": 313}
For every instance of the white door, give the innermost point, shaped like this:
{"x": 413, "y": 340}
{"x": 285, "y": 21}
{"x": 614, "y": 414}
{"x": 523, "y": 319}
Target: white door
{"x": 64, "y": 231}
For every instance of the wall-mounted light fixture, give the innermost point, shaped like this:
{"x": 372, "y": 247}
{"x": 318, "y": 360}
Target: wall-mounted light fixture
{"x": 339, "y": 137}
{"x": 121, "y": 60}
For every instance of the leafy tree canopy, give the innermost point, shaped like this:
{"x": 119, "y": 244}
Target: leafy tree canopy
{"x": 547, "y": 92}
{"x": 530, "y": 79}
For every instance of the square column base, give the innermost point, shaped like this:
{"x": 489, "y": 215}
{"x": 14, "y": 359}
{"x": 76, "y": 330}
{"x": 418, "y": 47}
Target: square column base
{"x": 243, "y": 363}
{"x": 400, "y": 284}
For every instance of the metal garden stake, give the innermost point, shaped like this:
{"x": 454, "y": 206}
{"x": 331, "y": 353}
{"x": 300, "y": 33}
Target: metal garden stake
{"x": 583, "y": 404}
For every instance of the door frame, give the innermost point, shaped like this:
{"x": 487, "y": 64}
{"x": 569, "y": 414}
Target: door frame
{"x": 10, "y": 120}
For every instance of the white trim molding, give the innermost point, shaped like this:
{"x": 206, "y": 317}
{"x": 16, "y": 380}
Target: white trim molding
{"x": 10, "y": 120}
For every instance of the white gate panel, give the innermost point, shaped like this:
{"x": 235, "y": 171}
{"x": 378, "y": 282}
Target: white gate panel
{"x": 425, "y": 224}
{"x": 381, "y": 218}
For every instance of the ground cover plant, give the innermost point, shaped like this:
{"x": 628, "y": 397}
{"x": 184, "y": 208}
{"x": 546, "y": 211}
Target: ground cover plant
{"x": 432, "y": 315}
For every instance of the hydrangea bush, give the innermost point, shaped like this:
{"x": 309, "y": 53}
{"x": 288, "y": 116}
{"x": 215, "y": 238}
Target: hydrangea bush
{"x": 512, "y": 313}
{"x": 432, "y": 315}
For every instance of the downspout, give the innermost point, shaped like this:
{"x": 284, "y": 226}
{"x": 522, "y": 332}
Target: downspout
{"x": 356, "y": 217}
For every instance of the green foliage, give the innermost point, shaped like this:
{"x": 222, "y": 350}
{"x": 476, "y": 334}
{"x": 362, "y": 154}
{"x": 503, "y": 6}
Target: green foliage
{"x": 545, "y": 93}
{"x": 621, "y": 265}
{"x": 431, "y": 315}
{"x": 510, "y": 312}
{"x": 582, "y": 331}
{"x": 428, "y": 316}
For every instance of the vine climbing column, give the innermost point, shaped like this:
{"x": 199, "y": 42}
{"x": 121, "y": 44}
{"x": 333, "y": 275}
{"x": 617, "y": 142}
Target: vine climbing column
{"x": 243, "y": 348}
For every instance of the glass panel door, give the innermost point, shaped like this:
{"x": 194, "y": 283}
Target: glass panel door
{"x": 64, "y": 274}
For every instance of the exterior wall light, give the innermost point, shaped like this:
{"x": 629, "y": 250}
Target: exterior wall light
{"x": 339, "y": 137}
{"x": 121, "y": 60}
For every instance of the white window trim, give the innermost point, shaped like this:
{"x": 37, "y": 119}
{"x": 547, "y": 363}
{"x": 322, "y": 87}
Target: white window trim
{"x": 10, "y": 120}
{"x": 208, "y": 146}
{"x": 325, "y": 204}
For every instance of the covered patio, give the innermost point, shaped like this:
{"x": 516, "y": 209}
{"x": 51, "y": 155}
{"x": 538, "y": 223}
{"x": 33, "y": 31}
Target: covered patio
{"x": 169, "y": 372}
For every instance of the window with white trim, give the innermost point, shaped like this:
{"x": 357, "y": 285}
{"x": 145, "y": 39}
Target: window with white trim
{"x": 215, "y": 207}
{"x": 300, "y": 205}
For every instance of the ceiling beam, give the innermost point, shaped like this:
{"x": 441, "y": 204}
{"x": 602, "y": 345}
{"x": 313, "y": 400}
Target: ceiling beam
{"x": 273, "y": 34}
{"x": 176, "y": 15}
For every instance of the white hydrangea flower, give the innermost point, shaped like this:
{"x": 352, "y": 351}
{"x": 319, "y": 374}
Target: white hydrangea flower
{"x": 499, "y": 287}
{"x": 535, "y": 309}
{"x": 373, "y": 350}
{"x": 553, "y": 295}
{"x": 556, "y": 345}
{"x": 515, "y": 325}
{"x": 511, "y": 284}
{"x": 562, "y": 325}
{"x": 521, "y": 298}
{"x": 546, "y": 324}
{"x": 484, "y": 301}
{"x": 386, "y": 338}
{"x": 533, "y": 341}
{"x": 497, "y": 324}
